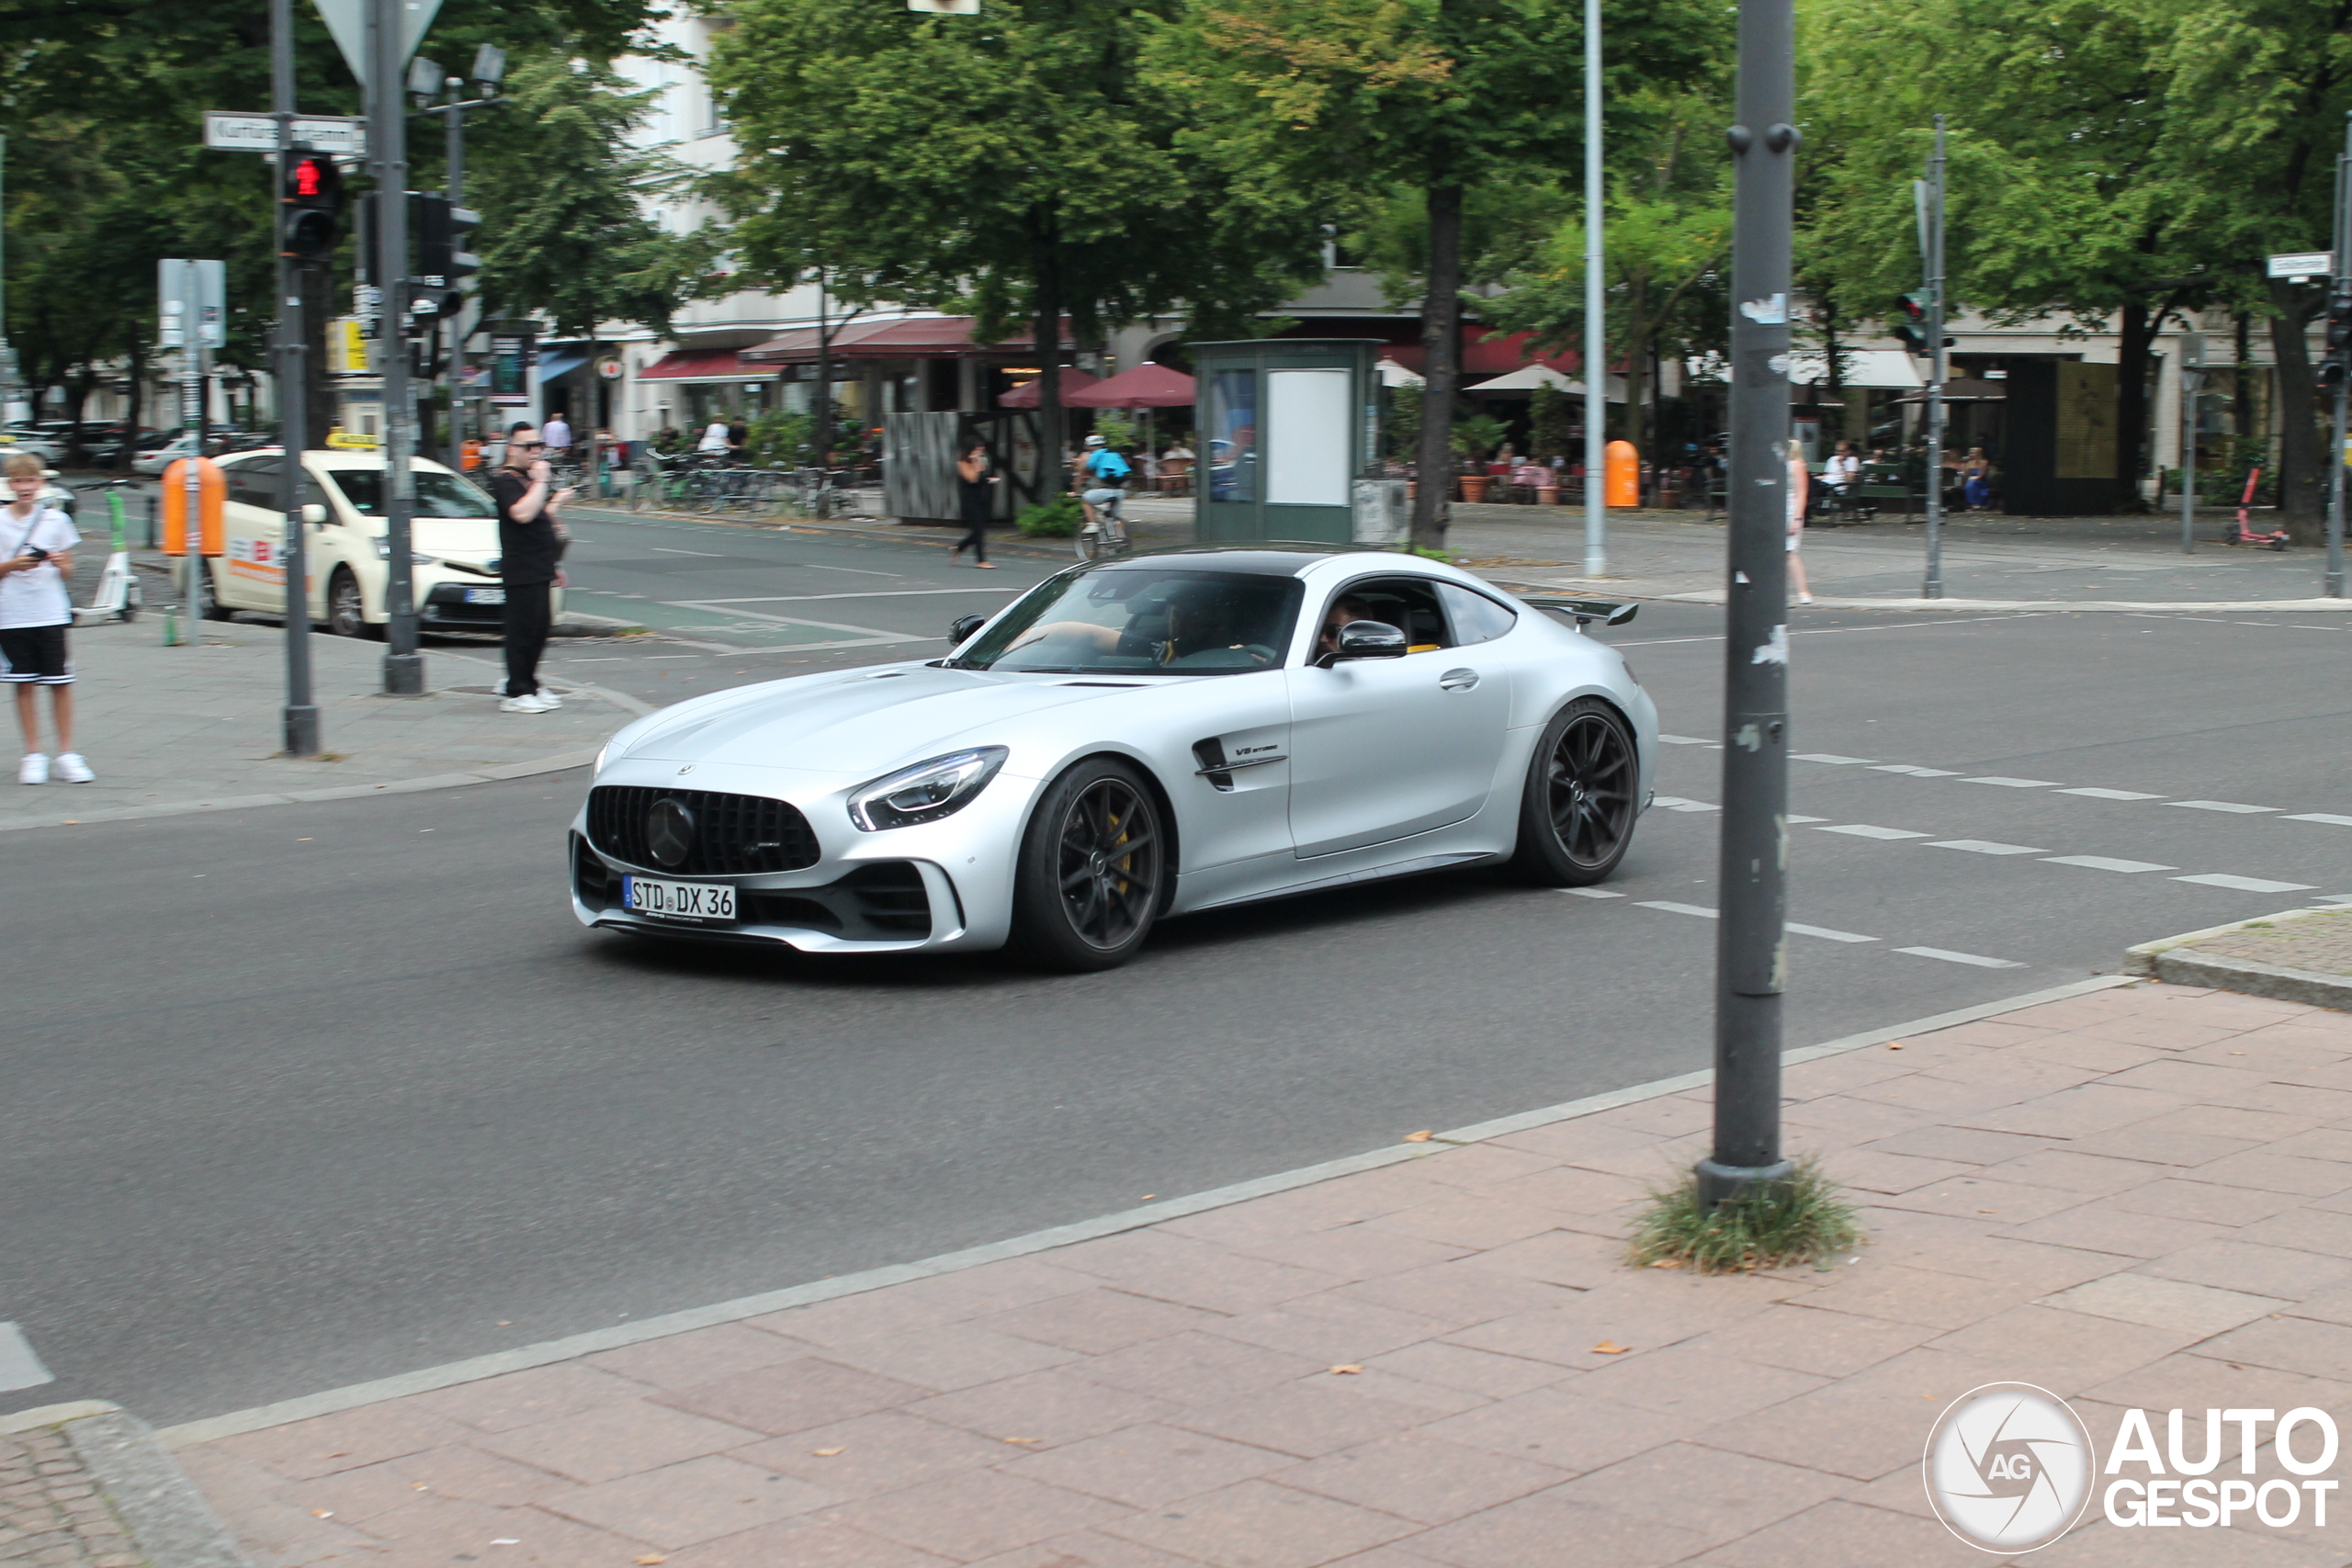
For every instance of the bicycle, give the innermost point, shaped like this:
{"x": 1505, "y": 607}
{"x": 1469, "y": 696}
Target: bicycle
{"x": 1109, "y": 537}
{"x": 816, "y": 492}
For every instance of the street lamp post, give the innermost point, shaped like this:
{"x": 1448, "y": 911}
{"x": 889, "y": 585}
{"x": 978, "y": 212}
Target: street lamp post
{"x": 1932, "y": 245}
{"x": 1750, "y": 964}
{"x": 2339, "y": 283}
{"x": 388, "y": 161}
{"x": 1596, "y": 328}
{"x": 488, "y": 71}
{"x": 301, "y": 714}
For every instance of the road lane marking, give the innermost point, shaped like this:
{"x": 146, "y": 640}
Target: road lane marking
{"x": 2014, "y": 784}
{"x": 1867, "y": 831}
{"x": 868, "y": 593}
{"x": 1985, "y": 847}
{"x": 2320, "y": 816}
{"x": 2223, "y": 805}
{"x": 1917, "y": 773}
{"x": 2113, "y": 794}
{"x": 1829, "y": 757}
{"x": 1676, "y": 803}
{"x": 1950, "y": 957}
{"x": 1795, "y": 821}
{"x": 1673, "y": 908}
{"x": 1825, "y": 932}
{"x": 666, "y": 550}
{"x": 20, "y": 1368}
{"x": 1681, "y": 740}
{"x": 2102, "y": 863}
{"x": 2246, "y": 883}
{"x": 1591, "y": 893}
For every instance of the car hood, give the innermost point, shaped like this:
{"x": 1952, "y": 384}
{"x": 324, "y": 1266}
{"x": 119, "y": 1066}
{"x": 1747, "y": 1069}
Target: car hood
{"x": 862, "y": 722}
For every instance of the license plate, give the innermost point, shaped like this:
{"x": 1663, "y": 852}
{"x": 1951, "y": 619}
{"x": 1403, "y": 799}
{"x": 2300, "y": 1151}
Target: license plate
{"x": 678, "y": 900}
{"x": 485, "y": 596}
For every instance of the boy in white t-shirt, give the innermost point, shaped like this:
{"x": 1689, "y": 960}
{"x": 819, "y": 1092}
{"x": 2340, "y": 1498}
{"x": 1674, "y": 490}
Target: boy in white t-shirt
{"x": 36, "y": 563}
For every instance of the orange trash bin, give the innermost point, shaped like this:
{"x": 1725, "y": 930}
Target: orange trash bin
{"x": 212, "y": 491}
{"x": 1624, "y": 487}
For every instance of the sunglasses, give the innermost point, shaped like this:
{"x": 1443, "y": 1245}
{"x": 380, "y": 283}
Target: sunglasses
{"x": 530, "y": 446}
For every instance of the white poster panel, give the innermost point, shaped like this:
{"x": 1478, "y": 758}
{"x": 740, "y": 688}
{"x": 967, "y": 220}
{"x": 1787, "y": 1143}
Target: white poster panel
{"x": 1307, "y": 425}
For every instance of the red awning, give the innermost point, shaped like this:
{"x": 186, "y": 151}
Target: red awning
{"x": 1144, "y": 386}
{"x": 1487, "y": 353}
{"x": 1074, "y": 382}
{"x": 923, "y": 337}
{"x": 700, "y": 365}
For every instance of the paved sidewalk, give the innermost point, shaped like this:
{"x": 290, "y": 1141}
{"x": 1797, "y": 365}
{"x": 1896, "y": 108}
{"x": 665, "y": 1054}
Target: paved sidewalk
{"x": 172, "y": 729}
{"x": 2138, "y": 1195}
{"x": 52, "y": 1510}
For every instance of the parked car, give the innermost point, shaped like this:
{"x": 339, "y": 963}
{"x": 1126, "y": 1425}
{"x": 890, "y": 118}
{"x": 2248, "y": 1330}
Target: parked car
{"x": 157, "y": 460}
{"x": 453, "y": 544}
{"x": 48, "y": 448}
{"x": 1152, "y": 737}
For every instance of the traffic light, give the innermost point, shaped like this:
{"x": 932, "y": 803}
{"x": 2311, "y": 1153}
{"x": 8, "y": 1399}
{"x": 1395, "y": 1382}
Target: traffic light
{"x": 2335, "y": 365}
{"x": 313, "y": 196}
{"x": 1910, "y": 318}
{"x": 444, "y": 260}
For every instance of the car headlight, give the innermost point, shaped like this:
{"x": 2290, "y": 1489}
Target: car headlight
{"x": 384, "y": 552}
{"x": 926, "y": 792}
{"x": 602, "y": 752}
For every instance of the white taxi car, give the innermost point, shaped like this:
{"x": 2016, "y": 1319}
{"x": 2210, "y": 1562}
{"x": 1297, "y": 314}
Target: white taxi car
{"x": 453, "y": 540}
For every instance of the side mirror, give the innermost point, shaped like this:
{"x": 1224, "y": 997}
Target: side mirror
{"x": 315, "y": 513}
{"x": 961, "y": 628}
{"x": 1367, "y": 639}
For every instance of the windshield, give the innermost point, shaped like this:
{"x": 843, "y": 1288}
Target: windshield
{"x": 1143, "y": 621}
{"x": 437, "y": 494}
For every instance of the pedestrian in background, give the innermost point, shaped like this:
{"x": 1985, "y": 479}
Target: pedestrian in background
{"x": 972, "y": 498}
{"x": 558, "y": 434}
{"x": 36, "y": 564}
{"x": 530, "y": 544}
{"x": 1800, "y": 484}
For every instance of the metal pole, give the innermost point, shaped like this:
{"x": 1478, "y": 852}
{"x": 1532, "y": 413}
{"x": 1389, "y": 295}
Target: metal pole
{"x": 1596, "y": 326}
{"x": 1933, "y": 588}
{"x": 302, "y": 717}
{"x": 2331, "y": 582}
{"x": 1750, "y": 967}
{"x": 2190, "y": 381}
{"x": 388, "y": 158}
{"x": 192, "y": 469}
{"x": 453, "y": 149}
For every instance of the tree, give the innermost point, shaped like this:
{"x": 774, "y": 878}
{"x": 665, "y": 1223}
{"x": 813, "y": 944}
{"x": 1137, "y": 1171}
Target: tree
{"x": 1668, "y": 235}
{"x": 1024, "y": 167}
{"x": 1442, "y": 95}
{"x": 562, "y": 196}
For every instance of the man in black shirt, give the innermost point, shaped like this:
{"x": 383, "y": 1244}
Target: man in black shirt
{"x": 530, "y": 543}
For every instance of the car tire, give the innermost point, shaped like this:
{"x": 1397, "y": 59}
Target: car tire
{"x": 347, "y": 607}
{"x": 1093, "y": 869}
{"x": 1576, "y": 811}
{"x": 208, "y": 598}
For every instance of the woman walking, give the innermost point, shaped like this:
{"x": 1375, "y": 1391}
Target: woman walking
{"x": 1798, "y": 481}
{"x": 972, "y": 483}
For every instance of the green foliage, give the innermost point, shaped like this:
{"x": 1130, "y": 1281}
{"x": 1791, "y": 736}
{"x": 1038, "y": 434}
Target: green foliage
{"x": 1479, "y": 435}
{"x": 1449, "y": 556}
{"x": 1774, "y": 1227}
{"x": 1552, "y": 415}
{"x": 1117, "y": 430}
{"x": 1059, "y": 518}
{"x": 1401, "y": 431}
{"x": 780, "y": 440}
{"x": 564, "y": 228}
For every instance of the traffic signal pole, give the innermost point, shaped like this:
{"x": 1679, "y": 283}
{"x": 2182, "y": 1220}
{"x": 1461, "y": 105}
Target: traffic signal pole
{"x": 1932, "y": 586}
{"x": 1595, "y": 325}
{"x": 302, "y": 715}
{"x": 1750, "y": 959}
{"x": 388, "y": 163}
{"x": 2338, "y": 287}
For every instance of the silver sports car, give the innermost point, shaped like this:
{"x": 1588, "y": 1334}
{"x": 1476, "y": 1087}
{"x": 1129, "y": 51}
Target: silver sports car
{"x": 1154, "y": 736}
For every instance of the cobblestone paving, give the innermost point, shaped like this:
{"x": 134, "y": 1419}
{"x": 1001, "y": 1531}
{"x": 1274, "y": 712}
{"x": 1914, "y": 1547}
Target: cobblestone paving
{"x": 51, "y": 1512}
{"x": 2321, "y": 944}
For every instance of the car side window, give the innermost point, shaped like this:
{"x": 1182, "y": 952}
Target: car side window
{"x": 255, "y": 483}
{"x": 1475, "y": 617}
{"x": 1408, "y": 603}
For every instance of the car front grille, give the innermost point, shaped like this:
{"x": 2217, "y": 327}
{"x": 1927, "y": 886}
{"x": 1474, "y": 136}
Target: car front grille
{"x": 882, "y": 902}
{"x": 734, "y": 835}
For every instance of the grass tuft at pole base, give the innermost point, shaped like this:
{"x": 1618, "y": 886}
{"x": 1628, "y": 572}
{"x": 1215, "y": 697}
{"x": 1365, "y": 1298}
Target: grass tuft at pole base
{"x": 1798, "y": 1220}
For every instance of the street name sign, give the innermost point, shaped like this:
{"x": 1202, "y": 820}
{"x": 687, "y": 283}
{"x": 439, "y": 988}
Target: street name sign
{"x": 343, "y": 135}
{"x": 2304, "y": 263}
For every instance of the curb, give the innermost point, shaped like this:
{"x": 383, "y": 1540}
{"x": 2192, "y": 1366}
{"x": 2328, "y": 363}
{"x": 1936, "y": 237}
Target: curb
{"x": 578, "y": 757}
{"x": 522, "y": 1358}
{"x": 1713, "y": 596}
{"x": 168, "y": 1520}
{"x": 2170, "y": 959}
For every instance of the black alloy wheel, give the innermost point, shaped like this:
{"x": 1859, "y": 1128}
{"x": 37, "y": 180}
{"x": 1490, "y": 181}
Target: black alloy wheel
{"x": 346, "y": 608}
{"x": 1093, "y": 869}
{"x": 1576, "y": 814}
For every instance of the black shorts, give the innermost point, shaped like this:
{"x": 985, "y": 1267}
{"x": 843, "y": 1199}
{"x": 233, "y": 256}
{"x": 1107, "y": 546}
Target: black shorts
{"x": 34, "y": 655}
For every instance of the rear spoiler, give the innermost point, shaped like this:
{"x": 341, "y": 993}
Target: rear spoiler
{"x": 1608, "y": 612}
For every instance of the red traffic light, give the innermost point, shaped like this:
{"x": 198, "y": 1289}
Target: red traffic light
{"x": 307, "y": 178}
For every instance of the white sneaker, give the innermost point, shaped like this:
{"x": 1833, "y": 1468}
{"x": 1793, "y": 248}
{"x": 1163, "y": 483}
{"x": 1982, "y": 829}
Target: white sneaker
{"x": 72, "y": 769}
{"x": 34, "y": 769}
{"x": 531, "y": 703}
{"x": 499, "y": 690}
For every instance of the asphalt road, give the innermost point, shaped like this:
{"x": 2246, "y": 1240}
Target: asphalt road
{"x": 368, "y": 1099}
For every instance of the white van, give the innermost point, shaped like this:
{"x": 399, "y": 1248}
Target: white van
{"x": 453, "y": 539}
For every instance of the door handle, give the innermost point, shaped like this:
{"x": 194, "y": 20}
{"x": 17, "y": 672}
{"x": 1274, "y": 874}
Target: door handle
{"x": 1458, "y": 680}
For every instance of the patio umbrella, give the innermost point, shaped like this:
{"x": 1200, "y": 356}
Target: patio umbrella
{"x": 1143, "y": 387}
{"x": 1025, "y": 395}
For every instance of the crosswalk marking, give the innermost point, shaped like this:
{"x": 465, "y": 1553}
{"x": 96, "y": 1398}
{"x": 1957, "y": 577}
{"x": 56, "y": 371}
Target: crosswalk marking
{"x": 1985, "y": 847}
{"x": 20, "y": 1368}
{"x": 1950, "y": 957}
{"x": 2246, "y": 883}
{"x": 2107, "y": 863}
{"x": 1867, "y": 831}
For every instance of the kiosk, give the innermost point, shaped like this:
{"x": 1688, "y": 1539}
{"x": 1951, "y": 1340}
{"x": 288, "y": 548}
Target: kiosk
{"x": 1289, "y": 436}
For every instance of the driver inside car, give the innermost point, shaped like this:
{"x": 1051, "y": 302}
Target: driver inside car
{"x": 1198, "y": 624}
{"x": 1343, "y": 610}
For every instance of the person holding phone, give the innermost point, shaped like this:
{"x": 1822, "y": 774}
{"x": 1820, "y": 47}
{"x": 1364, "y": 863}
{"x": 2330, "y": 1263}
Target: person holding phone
{"x": 36, "y": 563}
{"x": 530, "y": 545}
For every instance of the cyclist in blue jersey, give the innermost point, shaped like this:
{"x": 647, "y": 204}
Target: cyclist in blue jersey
{"x": 1101, "y": 479}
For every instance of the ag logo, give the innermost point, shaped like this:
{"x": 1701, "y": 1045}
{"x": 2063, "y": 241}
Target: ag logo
{"x": 670, "y": 832}
{"x": 2009, "y": 1468}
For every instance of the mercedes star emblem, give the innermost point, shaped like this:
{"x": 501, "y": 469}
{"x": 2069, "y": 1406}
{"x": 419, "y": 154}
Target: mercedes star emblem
{"x": 669, "y": 832}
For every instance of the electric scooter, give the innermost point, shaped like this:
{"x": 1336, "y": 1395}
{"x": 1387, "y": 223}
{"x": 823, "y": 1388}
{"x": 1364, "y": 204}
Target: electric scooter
{"x": 2242, "y": 531}
{"x": 118, "y": 596}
